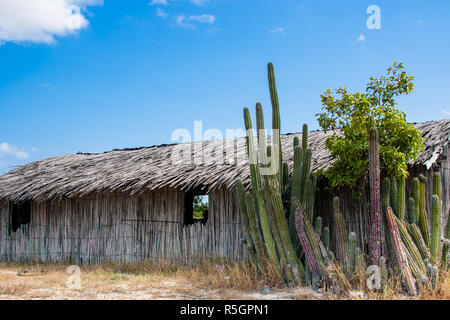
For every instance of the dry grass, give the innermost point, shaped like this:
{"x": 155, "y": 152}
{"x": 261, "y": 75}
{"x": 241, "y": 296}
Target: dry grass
{"x": 206, "y": 279}
{"x": 356, "y": 288}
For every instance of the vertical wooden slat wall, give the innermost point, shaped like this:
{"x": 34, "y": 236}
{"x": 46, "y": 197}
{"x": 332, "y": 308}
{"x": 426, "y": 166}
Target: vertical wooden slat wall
{"x": 122, "y": 228}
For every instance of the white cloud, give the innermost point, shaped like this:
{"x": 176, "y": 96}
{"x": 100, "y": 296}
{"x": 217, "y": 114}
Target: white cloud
{"x": 361, "y": 38}
{"x": 204, "y": 18}
{"x": 446, "y": 112}
{"x": 39, "y": 21}
{"x": 158, "y": 2}
{"x": 188, "y": 22}
{"x": 161, "y": 13}
{"x": 199, "y": 2}
{"x": 278, "y": 30}
{"x": 8, "y": 149}
{"x": 181, "y": 21}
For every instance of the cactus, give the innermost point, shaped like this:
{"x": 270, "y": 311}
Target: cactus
{"x": 281, "y": 224}
{"x": 252, "y": 156}
{"x": 254, "y": 228}
{"x": 400, "y": 253}
{"x": 445, "y": 250}
{"x": 285, "y": 177}
{"x": 341, "y": 235}
{"x": 375, "y": 214}
{"x": 265, "y": 228}
{"x": 411, "y": 211}
{"x": 416, "y": 195}
{"x": 416, "y": 235}
{"x": 299, "y": 223}
{"x": 352, "y": 244}
{"x": 318, "y": 226}
{"x": 295, "y": 190}
{"x": 384, "y": 272}
{"x": 305, "y": 174}
{"x": 423, "y": 217}
{"x": 437, "y": 184}
{"x": 308, "y": 200}
{"x": 436, "y": 221}
{"x": 394, "y": 196}
{"x": 423, "y": 182}
{"x": 275, "y": 114}
{"x": 414, "y": 257}
{"x": 385, "y": 193}
{"x": 326, "y": 238}
{"x": 245, "y": 221}
{"x": 401, "y": 198}
{"x": 434, "y": 274}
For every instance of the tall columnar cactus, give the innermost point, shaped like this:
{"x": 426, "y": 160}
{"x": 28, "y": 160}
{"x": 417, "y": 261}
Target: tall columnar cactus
{"x": 254, "y": 228}
{"x": 423, "y": 217}
{"x": 318, "y": 226}
{"x": 423, "y": 182}
{"x": 275, "y": 112}
{"x": 416, "y": 195}
{"x": 416, "y": 261}
{"x": 341, "y": 235}
{"x": 375, "y": 214}
{"x": 306, "y": 165}
{"x": 308, "y": 202}
{"x": 277, "y": 206}
{"x": 352, "y": 244}
{"x": 265, "y": 227}
{"x": 295, "y": 190}
{"x": 285, "y": 177}
{"x": 436, "y": 224}
{"x": 385, "y": 193}
{"x": 394, "y": 196}
{"x": 400, "y": 253}
{"x": 401, "y": 185}
{"x": 245, "y": 221}
{"x": 411, "y": 211}
{"x": 434, "y": 277}
{"x": 326, "y": 238}
{"x": 437, "y": 184}
{"x": 297, "y": 171}
{"x": 384, "y": 272}
{"x": 416, "y": 235}
{"x": 299, "y": 223}
{"x": 445, "y": 250}
{"x": 252, "y": 156}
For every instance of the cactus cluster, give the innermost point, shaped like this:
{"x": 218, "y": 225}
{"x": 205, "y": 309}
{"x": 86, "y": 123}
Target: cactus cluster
{"x": 271, "y": 185}
{"x": 277, "y": 211}
{"x": 420, "y": 248}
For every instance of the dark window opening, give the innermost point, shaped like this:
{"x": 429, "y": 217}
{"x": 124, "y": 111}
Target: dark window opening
{"x": 20, "y": 214}
{"x": 196, "y": 207}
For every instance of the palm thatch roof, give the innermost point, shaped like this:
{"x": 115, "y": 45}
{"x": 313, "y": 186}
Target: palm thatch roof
{"x": 138, "y": 170}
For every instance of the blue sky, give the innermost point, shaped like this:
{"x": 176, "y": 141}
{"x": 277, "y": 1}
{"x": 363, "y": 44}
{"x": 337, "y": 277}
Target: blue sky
{"x": 117, "y": 74}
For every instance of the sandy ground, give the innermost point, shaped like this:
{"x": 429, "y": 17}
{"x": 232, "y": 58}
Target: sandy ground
{"x": 40, "y": 283}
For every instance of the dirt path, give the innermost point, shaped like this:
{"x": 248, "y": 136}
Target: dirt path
{"x": 41, "y": 283}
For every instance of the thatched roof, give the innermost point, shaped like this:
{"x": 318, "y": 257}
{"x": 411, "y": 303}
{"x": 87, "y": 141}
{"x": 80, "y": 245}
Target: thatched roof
{"x": 138, "y": 170}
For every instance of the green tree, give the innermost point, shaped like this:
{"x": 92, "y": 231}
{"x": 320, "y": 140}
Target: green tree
{"x": 353, "y": 114}
{"x": 200, "y": 205}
